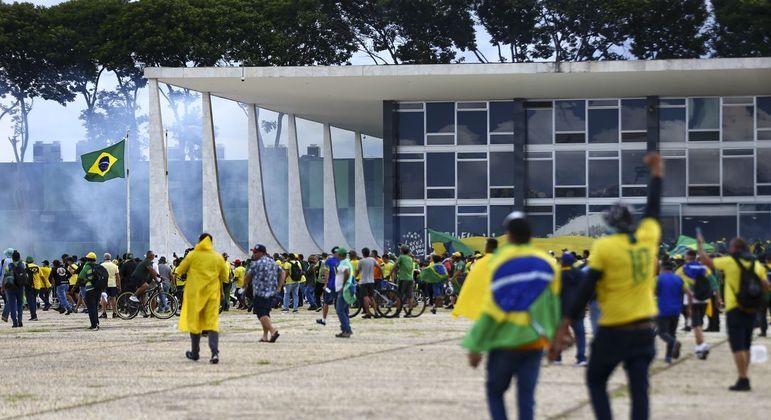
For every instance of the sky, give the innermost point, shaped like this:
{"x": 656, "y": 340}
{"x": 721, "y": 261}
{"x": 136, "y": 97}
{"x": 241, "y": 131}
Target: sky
{"x": 50, "y": 121}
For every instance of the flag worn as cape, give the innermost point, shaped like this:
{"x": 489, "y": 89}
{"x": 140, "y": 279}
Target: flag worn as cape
{"x": 105, "y": 164}
{"x": 522, "y": 304}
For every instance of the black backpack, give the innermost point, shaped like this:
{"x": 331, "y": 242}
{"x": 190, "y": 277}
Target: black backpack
{"x": 295, "y": 271}
{"x": 99, "y": 277}
{"x": 750, "y": 295}
{"x": 702, "y": 290}
{"x": 20, "y": 275}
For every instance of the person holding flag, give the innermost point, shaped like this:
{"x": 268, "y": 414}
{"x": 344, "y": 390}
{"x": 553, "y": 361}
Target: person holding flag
{"x": 518, "y": 318}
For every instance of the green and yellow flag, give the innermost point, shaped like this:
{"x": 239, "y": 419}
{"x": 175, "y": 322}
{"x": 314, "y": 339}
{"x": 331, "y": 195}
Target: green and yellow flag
{"x": 103, "y": 165}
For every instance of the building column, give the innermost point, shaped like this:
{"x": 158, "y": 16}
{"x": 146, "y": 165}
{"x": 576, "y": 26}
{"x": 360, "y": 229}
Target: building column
{"x": 520, "y": 163}
{"x": 652, "y": 134}
{"x": 333, "y": 232}
{"x": 390, "y": 131}
{"x": 165, "y": 235}
{"x": 300, "y": 239}
{"x": 362, "y": 227}
{"x": 213, "y": 215}
{"x": 259, "y": 226}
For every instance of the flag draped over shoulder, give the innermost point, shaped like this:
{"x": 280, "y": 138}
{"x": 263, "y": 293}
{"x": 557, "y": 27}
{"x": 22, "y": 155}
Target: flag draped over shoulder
{"x": 103, "y": 165}
{"x": 522, "y": 304}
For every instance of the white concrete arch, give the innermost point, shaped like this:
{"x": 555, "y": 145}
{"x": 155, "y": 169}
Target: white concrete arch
{"x": 363, "y": 228}
{"x": 165, "y": 235}
{"x": 259, "y": 226}
{"x": 300, "y": 238}
{"x": 213, "y": 216}
{"x": 333, "y": 232}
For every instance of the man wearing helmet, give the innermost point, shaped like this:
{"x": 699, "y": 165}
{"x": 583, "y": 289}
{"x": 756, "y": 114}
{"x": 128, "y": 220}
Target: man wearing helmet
{"x": 623, "y": 273}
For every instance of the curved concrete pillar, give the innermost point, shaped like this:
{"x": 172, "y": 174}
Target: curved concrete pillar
{"x": 213, "y": 215}
{"x": 363, "y": 228}
{"x": 259, "y": 227}
{"x": 333, "y": 232}
{"x": 300, "y": 239}
{"x": 165, "y": 235}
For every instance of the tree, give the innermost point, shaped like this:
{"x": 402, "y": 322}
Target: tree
{"x": 28, "y": 66}
{"x": 742, "y": 28}
{"x": 411, "y": 31}
{"x": 514, "y": 23}
{"x": 663, "y": 29}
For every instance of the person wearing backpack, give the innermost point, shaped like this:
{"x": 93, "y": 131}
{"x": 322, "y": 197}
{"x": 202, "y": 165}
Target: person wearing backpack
{"x": 89, "y": 280}
{"x": 15, "y": 280}
{"x": 703, "y": 286}
{"x": 294, "y": 277}
{"x": 745, "y": 285}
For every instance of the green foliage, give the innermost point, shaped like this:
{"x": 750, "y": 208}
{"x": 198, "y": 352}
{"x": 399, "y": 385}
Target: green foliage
{"x": 742, "y": 28}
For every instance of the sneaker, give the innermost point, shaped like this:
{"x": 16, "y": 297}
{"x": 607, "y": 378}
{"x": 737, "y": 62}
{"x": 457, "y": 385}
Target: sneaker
{"x": 215, "y": 358}
{"x": 686, "y": 328}
{"x": 450, "y": 307}
{"x": 285, "y": 311}
{"x": 668, "y": 360}
{"x": 556, "y": 363}
{"x": 96, "y": 328}
{"x": 433, "y": 311}
{"x": 742, "y": 384}
{"x": 20, "y": 324}
{"x": 319, "y": 309}
{"x": 582, "y": 363}
{"x": 321, "y": 322}
{"x": 69, "y": 311}
{"x": 114, "y": 315}
{"x": 343, "y": 335}
{"x": 15, "y": 326}
{"x": 294, "y": 311}
{"x": 46, "y": 308}
{"x": 134, "y": 298}
{"x": 33, "y": 319}
{"x": 676, "y": 350}
{"x": 191, "y": 356}
{"x": 762, "y": 334}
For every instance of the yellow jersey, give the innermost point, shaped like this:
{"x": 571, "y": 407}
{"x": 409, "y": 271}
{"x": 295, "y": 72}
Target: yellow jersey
{"x": 388, "y": 268}
{"x": 732, "y": 277}
{"x": 45, "y": 272}
{"x": 625, "y": 292}
{"x": 240, "y": 275}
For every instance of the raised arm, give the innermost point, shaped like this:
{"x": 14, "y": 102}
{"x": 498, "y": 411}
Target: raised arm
{"x": 656, "y": 165}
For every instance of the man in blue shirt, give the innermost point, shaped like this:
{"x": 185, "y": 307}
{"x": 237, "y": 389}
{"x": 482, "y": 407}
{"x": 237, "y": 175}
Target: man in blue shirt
{"x": 329, "y": 286}
{"x": 670, "y": 289}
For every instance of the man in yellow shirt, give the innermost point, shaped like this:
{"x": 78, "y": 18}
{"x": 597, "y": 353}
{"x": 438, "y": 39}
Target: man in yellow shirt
{"x": 45, "y": 294}
{"x": 739, "y": 266}
{"x": 623, "y": 273}
{"x": 240, "y": 274}
{"x": 227, "y": 285}
{"x": 31, "y": 291}
{"x": 294, "y": 276}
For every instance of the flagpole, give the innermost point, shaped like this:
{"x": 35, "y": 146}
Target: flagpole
{"x": 126, "y": 160}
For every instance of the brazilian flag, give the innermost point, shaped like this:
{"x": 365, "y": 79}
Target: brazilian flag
{"x": 103, "y": 165}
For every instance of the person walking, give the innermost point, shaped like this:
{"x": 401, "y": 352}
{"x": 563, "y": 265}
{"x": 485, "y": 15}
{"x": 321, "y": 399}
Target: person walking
{"x": 670, "y": 291}
{"x": 571, "y": 281}
{"x": 15, "y": 279}
{"x": 265, "y": 278}
{"x": 227, "y": 286}
{"x": 518, "y": 318}
{"x": 61, "y": 284}
{"x": 344, "y": 274}
{"x": 703, "y": 287}
{"x": 294, "y": 279}
{"x": 32, "y": 291}
{"x": 366, "y": 272}
{"x": 205, "y": 270}
{"x": 91, "y": 293}
{"x": 330, "y": 293}
{"x": 403, "y": 273}
{"x": 113, "y": 279}
{"x": 45, "y": 292}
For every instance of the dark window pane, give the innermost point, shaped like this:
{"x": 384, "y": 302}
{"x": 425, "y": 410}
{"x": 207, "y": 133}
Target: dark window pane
{"x": 542, "y": 225}
{"x": 704, "y": 191}
{"x": 569, "y": 192}
{"x": 634, "y": 191}
{"x": 633, "y": 169}
{"x": 569, "y": 115}
{"x": 634, "y": 137}
{"x": 703, "y": 167}
{"x": 409, "y": 179}
{"x": 440, "y": 193}
{"x": 539, "y": 126}
{"x": 440, "y": 117}
{"x": 410, "y": 129}
{"x": 481, "y": 155}
{"x": 764, "y": 135}
{"x": 538, "y": 209}
{"x": 764, "y": 111}
{"x": 764, "y": 165}
{"x": 754, "y": 226}
{"x": 603, "y": 178}
{"x": 704, "y": 135}
{"x": 501, "y": 139}
{"x": 501, "y": 117}
{"x": 570, "y": 220}
{"x": 497, "y": 215}
{"x": 570, "y": 138}
{"x": 472, "y": 209}
{"x": 410, "y": 231}
{"x": 501, "y": 192}
{"x": 712, "y": 227}
{"x": 737, "y": 177}
{"x": 442, "y": 139}
{"x": 737, "y": 123}
{"x": 501, "y": 169}
{"x": 441, "y": 218}
{"x": 409, "y": 210}
{"x": 440, "y": 169}
{"x": 570, "y": 168}
{"x": 408, "y": 156}
{"x": 764, "y": 189}
{"x": 703, "y": 113}
{"x": 539, "y": 179}
{"x": 472, "y": 127}
{"x": 472, "y": 225}
{"x": 472, "y": 179}
{"x": 678, "y": 101}
{"x": 674, "y": 182}
{"x": 672, "y": 124}
{"x": 633, "y": 114}
{"x": 603, "y": 125}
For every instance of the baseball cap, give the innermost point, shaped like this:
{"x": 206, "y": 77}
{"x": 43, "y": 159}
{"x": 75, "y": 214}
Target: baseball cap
{"x": 260, "y": 248}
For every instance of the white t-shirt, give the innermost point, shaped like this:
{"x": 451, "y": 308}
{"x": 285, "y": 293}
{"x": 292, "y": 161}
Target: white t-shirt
{"x": 345, "y": 266}
{"x": 112, "y": 270}
{"x": 367, "y": 269}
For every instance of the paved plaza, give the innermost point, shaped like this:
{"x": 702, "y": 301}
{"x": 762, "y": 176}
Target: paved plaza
{"x": 390, "y": 369}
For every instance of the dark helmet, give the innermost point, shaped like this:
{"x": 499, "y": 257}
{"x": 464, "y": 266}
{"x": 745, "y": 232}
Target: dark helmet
{"x": 619, "y": 217}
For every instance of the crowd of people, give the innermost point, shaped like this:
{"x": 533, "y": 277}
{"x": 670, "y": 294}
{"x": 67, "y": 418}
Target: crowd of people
{"x": 534, "y": 304}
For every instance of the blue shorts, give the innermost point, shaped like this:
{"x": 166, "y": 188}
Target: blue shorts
{"x": 438, "y": 289}
{"x": 112, "y": 291}
{"x": 329, "y": 298}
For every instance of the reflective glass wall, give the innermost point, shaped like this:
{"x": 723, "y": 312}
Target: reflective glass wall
{"x": 273, "y": 130}
{"x": 343, "y": 144}
{"x": 310, "y": 146}
{"x": 454, "y": 163}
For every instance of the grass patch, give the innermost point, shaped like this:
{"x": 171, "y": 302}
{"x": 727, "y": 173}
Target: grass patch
{"x": 263, "y": 362}
{"x": 18, "y": 397}
{"x": 38, "y": 330}
{"x": 621, "y": 392}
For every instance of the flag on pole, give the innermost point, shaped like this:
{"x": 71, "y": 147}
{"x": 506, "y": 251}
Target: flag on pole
{"x": 103, "y": 165}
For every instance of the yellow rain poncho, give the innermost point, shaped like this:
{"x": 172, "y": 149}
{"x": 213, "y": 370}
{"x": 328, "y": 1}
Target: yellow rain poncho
{"x": 205, "y": 269}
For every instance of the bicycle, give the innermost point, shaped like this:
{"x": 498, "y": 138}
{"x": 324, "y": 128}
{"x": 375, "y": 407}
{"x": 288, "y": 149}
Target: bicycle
{"x": 417, "y": 305}
{"x": 387, "y": 301}
{"x": 162, "y": 305}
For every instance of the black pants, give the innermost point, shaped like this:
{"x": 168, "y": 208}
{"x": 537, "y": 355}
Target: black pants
{"x": 762, "y": 319}
{"x": 667, "y": 331}
{"x": 31, "y": 301}
{"x": 635, "y": 349}
{"x": 714, "y": 320}
{"x": 317, "y": 292}
{"x": 92, "y": 303}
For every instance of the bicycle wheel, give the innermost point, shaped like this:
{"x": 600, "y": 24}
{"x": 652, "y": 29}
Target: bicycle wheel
{"x": 354, "y": 309}
{"x": 163, "y": 305}
{"x": 419, "y": 302}
{"x": 388, "y": 303}
{"x": 127, "y": 309}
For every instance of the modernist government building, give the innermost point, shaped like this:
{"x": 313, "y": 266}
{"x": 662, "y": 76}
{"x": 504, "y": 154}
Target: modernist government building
{"x": 376, "y": 155}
